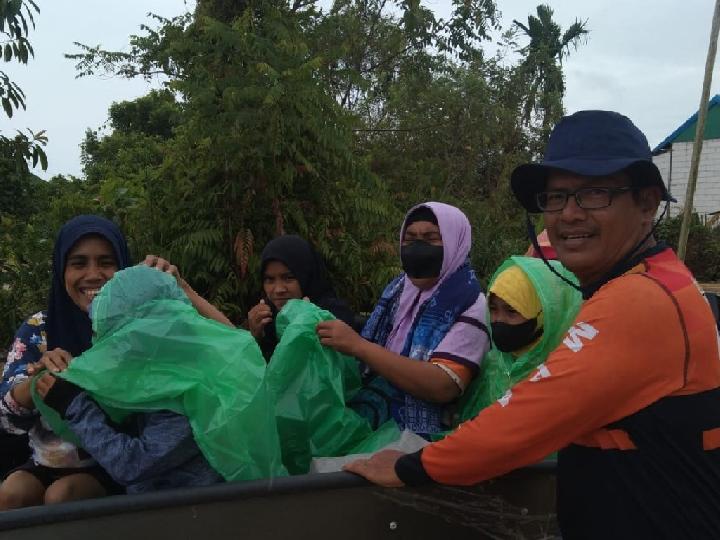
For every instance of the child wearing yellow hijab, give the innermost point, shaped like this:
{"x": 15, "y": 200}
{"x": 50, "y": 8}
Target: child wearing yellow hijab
{"x": 515, "y": 312}
{"x": 530, "y": 311}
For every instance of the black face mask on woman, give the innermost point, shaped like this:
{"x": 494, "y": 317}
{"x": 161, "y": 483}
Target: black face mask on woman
{"x": 421, "y": 260}
{"x": 513, "y": 337}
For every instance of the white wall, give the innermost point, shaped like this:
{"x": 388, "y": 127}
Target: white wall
{"x": 707, "y": 191}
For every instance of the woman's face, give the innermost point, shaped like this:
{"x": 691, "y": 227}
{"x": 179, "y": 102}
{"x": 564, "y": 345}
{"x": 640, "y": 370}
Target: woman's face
{"x": 501, "y": 311}
{"x": 280, "y": 284}
{"x": 89, "y": 265}
{"x": 425, "y": 231}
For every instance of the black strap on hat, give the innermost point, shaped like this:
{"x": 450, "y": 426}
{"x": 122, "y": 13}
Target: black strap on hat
{"x": 532, "y": 235}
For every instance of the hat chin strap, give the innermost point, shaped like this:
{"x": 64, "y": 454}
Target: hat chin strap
{"x": 611, "y": 273}
{"x": 534, "y": 241}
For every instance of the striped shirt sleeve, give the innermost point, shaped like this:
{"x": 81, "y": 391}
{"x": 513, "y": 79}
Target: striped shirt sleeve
{"x": 464, "y": 346}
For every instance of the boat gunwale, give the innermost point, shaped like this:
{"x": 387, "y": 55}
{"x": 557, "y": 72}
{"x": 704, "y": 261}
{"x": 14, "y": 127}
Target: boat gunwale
{"x": 125, "y": 504}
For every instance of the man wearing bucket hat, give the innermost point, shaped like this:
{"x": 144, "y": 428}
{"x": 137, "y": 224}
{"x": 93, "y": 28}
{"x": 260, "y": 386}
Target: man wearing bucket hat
{"x": 631, "y": 397}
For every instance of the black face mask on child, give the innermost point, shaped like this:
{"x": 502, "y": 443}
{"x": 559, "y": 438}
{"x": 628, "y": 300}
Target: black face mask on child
{"x": 421, "y": 260}
{"x": 513, "y": 337}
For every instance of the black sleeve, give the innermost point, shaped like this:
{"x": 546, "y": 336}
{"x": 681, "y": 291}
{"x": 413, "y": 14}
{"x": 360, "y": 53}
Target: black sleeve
{"x": 61, "y": 395}
{"x": 410, "y": 470}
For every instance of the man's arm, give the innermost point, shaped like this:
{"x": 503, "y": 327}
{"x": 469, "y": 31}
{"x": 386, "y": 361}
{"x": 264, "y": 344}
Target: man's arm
{"x": 612, "y": 363}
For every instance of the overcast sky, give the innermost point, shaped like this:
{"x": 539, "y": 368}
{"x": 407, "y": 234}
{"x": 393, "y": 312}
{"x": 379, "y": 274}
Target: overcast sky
{"x": 643, "y": 58}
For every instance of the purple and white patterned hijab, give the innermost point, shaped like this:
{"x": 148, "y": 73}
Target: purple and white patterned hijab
{"x": 456, "y": 236}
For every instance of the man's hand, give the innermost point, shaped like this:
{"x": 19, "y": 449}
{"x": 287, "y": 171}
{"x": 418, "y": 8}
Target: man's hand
{"x": 379, "y": 469}
{"x": 258, "y": 317}
{"x": 44, "y": 384}
{"x": 339, "y": 336}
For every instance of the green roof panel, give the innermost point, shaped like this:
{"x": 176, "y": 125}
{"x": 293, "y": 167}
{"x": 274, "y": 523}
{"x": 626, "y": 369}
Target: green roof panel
{"x": 712, "y": 127}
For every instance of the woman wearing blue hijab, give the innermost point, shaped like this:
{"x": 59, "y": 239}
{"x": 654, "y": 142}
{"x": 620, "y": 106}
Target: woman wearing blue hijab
{"x": 87, "y": 253}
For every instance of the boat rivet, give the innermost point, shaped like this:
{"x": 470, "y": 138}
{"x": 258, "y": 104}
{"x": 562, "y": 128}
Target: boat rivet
{"x": 393, "y": 525}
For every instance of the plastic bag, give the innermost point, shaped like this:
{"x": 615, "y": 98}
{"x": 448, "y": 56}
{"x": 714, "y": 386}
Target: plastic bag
{"x": 51, "y": 416}
{"x": 311, "y": 385}
{"x": 406, "y": 441}
{"x": 153, "y": 351}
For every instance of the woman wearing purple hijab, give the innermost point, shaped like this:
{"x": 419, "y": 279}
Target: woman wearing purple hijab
{"x": 426, "y": 337}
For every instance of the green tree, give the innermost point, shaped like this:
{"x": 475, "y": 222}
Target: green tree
{"x": 261, "y": 149}
{"x": 27, "y": 233}
{"x": 330, "y": 124}
{"x": 703, "y": 247}
{"x": 541, "y": 69}
{"x": 16, "y": 19}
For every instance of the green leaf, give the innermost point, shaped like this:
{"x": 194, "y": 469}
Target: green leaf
{"x": 8, "y": 108}
{"x": 43, "y": 159}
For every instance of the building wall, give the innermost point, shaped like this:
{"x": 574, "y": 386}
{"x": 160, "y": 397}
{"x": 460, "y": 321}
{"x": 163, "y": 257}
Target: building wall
{"x": 707, "y": 190}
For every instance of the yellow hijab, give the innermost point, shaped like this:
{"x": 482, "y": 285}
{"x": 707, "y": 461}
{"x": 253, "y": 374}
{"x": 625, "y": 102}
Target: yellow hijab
{"x": 514, "y": 287}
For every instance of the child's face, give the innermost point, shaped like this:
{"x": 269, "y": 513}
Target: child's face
{"x": 280, "y": 284}
{"x": 501, "y": 311}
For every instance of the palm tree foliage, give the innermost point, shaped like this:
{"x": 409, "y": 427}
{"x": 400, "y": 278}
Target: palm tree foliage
{"x": 541, "y": 69}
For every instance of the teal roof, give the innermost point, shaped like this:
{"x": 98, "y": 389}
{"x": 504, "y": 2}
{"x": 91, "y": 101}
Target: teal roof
{"x": 686, "y": 132}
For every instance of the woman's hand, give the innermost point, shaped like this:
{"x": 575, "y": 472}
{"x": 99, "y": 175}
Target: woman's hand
{"x": 22, "y": 394}
{"x": 153, "y": 261}
{"x": 339, "y": 336}
{"x": 44, "y": 384}
{"x": 55, "y": 361}
{"x": 205, "y": 308}
{"x": 259, "y": 316}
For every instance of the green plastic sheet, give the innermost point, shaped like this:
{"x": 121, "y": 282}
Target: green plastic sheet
{"x": 311, "y": 384}
{"x": 500, "y": 370}
{"x": 153, "y": 351}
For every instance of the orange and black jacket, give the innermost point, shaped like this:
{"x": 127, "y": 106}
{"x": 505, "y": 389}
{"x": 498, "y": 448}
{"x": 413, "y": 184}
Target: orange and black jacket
{"x": 630, "y": 399}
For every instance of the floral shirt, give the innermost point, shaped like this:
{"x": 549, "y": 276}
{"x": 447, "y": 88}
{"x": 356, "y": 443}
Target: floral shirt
{"x": 47, "y": 448}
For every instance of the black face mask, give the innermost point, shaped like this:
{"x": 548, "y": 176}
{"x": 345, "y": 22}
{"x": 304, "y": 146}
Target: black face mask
{"x": 513, "y": 337}
{"x": 421, "y": 260}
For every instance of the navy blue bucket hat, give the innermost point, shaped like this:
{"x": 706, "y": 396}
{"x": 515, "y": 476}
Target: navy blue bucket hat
{"x": 590, "y": 143}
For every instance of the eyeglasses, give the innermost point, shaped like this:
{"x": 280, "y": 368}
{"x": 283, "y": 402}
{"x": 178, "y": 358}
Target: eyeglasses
{"x": 590, "y": 198}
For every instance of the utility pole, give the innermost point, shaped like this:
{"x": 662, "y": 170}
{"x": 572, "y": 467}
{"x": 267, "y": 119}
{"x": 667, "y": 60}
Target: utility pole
{"x": 699, "y": 133}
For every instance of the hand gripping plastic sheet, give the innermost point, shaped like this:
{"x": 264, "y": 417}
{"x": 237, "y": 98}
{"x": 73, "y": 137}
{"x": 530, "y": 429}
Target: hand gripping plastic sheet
{"x": 311, "y": 385}
{"x": 152, "y": 351}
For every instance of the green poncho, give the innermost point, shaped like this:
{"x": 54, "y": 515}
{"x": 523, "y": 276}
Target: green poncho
{"x": 153, "y": 351}
{"x": 499, "y": 370}
{"x": 310, "y": 386}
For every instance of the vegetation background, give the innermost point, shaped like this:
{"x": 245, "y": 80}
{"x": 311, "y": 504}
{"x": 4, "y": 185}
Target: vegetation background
{"x": 279, "y": 116}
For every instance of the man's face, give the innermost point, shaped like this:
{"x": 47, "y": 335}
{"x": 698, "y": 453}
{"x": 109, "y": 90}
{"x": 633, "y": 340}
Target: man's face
{"x": 591, "y": 242}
